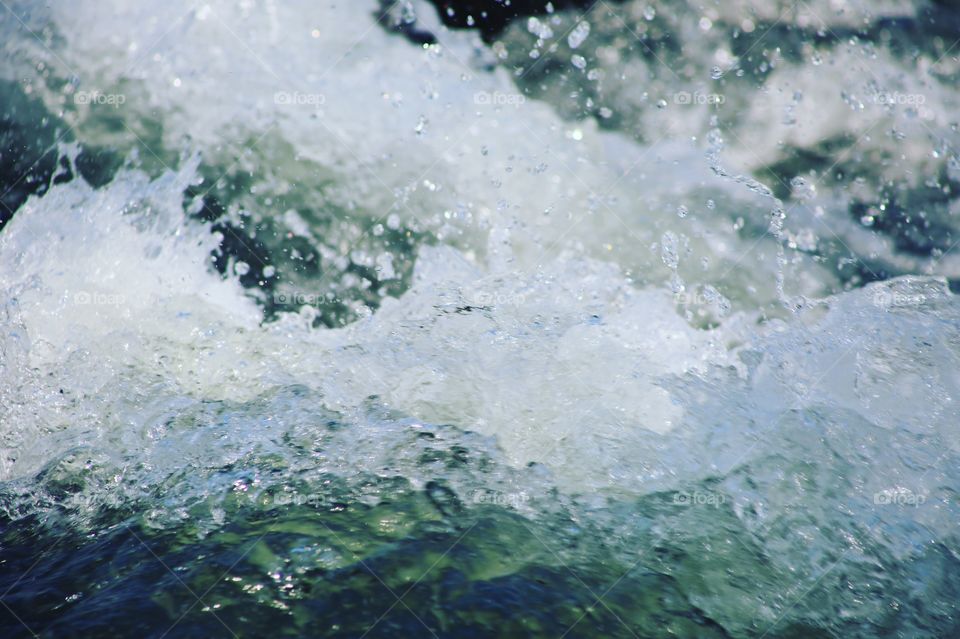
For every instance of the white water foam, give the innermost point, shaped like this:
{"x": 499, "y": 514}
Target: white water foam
{"x": 519, "y": 331}
{"x": 372, "y": 125}
{"x": 569, "y": 361}
{"x": 571, "y": 355}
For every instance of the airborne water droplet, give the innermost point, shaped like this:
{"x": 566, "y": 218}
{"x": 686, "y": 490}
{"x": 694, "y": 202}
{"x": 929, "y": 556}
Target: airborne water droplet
{"x": 578, "y": 35}
{"x": 669, "y": 251}
{"x": 408, "y": 14}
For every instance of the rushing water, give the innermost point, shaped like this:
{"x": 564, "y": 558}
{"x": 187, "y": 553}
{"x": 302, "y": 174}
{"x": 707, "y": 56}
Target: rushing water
{"x": 624, "y": 319}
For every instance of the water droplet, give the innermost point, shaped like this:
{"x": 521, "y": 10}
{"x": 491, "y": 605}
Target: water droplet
{"x": 802, "y": 189}
{"x": 407, "y": 13}
{"x": 540, "y": 29}
{"x": 579, "y": 34}
{"x": 669, "y": 251}
{"x": 716, "y": 299}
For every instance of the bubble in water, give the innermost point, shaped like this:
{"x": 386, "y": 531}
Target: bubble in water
{"x": 649, "y": 13}
{"x": 716, "y": 73}
{"x": 578, "y": 61}
{"x": 682, "y": 211}
{"x": 241, "y": 268}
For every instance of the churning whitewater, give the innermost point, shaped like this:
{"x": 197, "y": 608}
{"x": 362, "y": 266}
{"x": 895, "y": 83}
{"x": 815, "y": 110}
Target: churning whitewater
{"x": 328, "y": 319}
